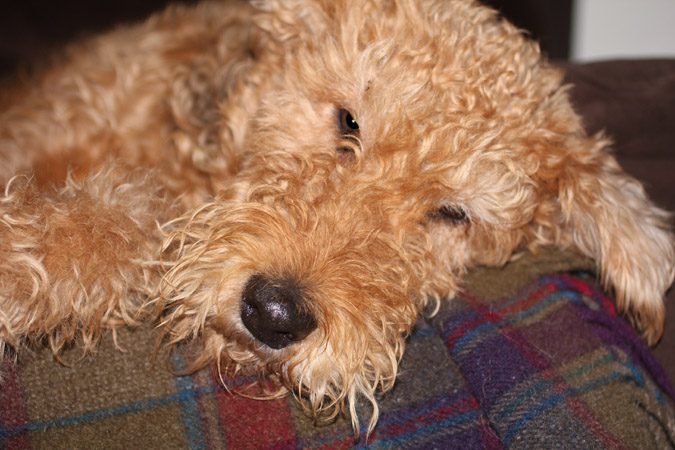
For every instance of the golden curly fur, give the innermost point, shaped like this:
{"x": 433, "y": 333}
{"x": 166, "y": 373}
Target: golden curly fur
{"x": 323, "y": 171}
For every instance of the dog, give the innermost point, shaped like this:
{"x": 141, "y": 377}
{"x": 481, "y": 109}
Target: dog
{"x": 287, "y": 185}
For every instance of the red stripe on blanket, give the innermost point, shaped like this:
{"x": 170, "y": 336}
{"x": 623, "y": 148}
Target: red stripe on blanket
{"x": 522, "y": 305}
{"x": 491, "y": 439}
{"x": 588, "y": 291}
{"x": 256, "y": 424}
{"x": 531, "y": 300}
{"x": 13, "y": 412}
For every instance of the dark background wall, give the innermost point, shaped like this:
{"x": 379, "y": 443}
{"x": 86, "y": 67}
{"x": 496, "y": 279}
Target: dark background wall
{"x": 548, "y": 21}
{"x": 29, "y": 29}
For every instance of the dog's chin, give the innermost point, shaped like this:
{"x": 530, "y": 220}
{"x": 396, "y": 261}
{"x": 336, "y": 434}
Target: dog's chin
{"x": 332, "y": 383}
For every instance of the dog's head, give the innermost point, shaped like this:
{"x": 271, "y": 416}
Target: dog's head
{"x": 382, "y": 147}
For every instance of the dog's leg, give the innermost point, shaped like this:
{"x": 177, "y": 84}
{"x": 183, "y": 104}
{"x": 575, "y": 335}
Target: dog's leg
{"x": 73, "y": 261}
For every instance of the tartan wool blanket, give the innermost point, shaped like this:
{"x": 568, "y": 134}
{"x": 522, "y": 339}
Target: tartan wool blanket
{"x": 518, "y": 360}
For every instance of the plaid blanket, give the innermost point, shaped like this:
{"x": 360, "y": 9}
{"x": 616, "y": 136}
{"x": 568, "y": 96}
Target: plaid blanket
{"x": 518, "y": 360}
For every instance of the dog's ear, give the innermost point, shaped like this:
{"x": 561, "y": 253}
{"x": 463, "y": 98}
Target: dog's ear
{"x": 605, "y": 213}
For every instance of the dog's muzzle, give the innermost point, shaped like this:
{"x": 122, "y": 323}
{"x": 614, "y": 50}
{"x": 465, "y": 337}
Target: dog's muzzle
{"x": 273, "y": 310}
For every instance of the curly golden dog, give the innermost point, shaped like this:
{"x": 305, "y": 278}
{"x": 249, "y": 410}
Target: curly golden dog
{"x": 288, "y": 184}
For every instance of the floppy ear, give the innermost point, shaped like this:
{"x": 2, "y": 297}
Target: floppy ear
{"x": 606, "y": 214}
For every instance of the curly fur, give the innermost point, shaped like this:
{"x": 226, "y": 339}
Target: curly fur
{"x": 222, "y": 123}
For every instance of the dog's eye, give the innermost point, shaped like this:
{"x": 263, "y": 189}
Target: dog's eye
{"x": 450, "y": 214}
{"x": 349, "y": 140}
{"x": 347, "y": 124}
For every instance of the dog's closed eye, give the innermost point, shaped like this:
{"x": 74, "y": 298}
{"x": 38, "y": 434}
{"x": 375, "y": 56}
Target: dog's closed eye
{"x": 451, "y": 214}
{"x": 348, "y": 129}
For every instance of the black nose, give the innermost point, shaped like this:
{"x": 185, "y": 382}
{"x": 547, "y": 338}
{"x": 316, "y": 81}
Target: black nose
{"x": 274, "y": 312}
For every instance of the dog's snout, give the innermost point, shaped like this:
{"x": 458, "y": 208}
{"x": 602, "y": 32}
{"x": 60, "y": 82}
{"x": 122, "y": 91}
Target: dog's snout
{"x": 274, "y": 311}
